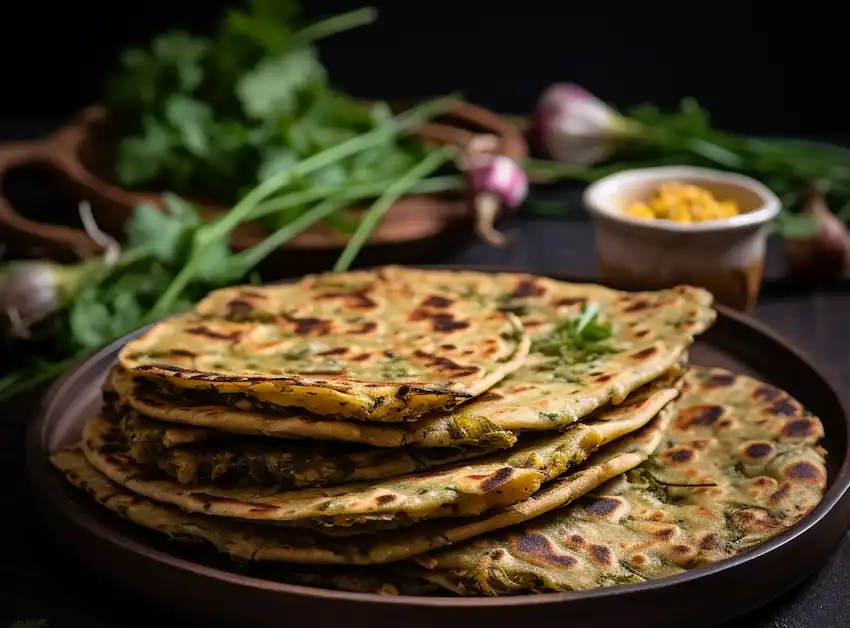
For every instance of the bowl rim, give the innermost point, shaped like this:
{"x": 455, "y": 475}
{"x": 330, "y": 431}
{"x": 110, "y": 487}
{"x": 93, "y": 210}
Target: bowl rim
{"x": 597, "y": 208}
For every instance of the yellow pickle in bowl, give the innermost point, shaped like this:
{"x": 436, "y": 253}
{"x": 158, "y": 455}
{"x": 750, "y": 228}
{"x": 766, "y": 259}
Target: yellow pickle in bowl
{"x": 683, "y": 202}
{"x": 659, "y": 227}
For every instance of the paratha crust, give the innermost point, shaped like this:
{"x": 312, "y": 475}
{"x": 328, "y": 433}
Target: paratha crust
{"x": 651, "y": 330}
{"x": 739, "y": 464}
{"x": 256, "y": 542}
{"x": 385, "y": 345}
{"x": 192, "y": 455}
{"x": 651, "y": 334}
{"x": 285, "y": 464}
{"x": 454, "y": 429}
{"x": 465, "y": 489}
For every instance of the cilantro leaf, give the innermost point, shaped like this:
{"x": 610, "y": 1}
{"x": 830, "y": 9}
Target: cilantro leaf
{"x": 190, "y": 119}
{"x": 271, "y": 89}
{"x": 89, "y": 320}
{"x": 215, "y": 265}
{"x": 578, "y": 339}
{"x": 163, "y": 234}
{"x": 141, "y": 157}
{"x": 277, "y": 160}
{"x": 183, "y": 54}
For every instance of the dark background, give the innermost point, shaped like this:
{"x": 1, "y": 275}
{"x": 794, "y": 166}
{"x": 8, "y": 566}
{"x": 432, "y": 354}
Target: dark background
{"x": 758, "y": 67}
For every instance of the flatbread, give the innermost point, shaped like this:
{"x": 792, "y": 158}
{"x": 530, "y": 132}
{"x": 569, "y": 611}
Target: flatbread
{"x": 256, "y": 542}
{"x": 739, "y": 464}
{"x": 461, "y": 490}
{"x": 384, "y": 345}
{"x": 193, "y": 455}
{"x": 285, "y": 464}
{"x": 457, "y": 429}
{"x": 651, "y": 332}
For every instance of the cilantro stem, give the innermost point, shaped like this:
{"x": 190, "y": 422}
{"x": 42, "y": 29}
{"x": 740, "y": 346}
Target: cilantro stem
{"x": 379, "y": 208}
{"x": 249, "y": 258}
{"x": 588, "y": 314}
{"x": 335, "y": 24}
{"x": 352, "y": 192}
{"x": 222, "y": 227}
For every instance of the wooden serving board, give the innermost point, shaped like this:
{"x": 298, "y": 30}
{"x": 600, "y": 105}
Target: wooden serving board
{"x": 77, "y": 154}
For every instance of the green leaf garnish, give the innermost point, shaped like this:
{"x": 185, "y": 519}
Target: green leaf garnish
{"x": 579, "y": 337}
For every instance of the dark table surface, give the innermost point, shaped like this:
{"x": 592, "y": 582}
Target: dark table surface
{"x": 37, "y": 581}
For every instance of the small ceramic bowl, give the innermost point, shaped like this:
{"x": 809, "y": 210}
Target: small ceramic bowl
{"x": 726, "y": 256}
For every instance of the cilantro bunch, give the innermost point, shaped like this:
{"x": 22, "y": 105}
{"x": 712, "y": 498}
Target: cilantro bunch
{"x": 172, "y": 258}
{"x": 210, "y": 117}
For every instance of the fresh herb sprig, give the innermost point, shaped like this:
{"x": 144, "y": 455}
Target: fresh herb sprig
{"x": 575, "y": 343}
{"x": 173, "y": 258}
{"x": 210, "y": 117}
{"x": 578, "y": 339}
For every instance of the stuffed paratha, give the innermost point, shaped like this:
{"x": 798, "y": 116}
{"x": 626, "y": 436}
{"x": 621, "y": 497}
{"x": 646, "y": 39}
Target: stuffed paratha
{"x": 256, "y": 542}
{"x": 285, "y": 464}
{"x": 739, "y": 464}
{"x": 385, "y": 345}
{"x": 571, "y": 370}
{"x": 455, "y": 429}
{"x": 192, "y": 455}
{"x": 457, "y": 491}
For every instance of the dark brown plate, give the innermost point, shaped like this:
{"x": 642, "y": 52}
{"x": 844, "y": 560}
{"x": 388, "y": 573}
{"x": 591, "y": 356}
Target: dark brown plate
{"x": 193, "y": 581}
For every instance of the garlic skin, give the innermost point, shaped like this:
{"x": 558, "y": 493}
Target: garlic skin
{"x": 494, "y": 180}
{"x": 28, "y": 294}
{"x": 578, "y": 129}
{"x": 502, "y": 177}
{"x": 30, "y": 291}
{"x": 825, "y": 253}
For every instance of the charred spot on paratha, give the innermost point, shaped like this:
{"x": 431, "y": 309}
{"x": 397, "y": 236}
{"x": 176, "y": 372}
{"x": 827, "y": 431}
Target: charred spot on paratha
{"x": 528, "y": 288}
{"x": 605, "y": 508}
{"x": 437, "y": 301}
{"x": 719, "y": 380}
{"x": 801, "y": 429}
{"x": 644, "y": 354}
{"x": 309, "y": 325}
{"x": 703, "y": 415}
{"x": 766, "y": 392}
{"x": 355, "y": 299}
{"x": 677, "y": 456}
{"x": 602, "y": 554}
{"x": 757, "y": 451}
{"x": 804, "y": 472}
{"x": 202, "y": 330}
{"x": 539, "y": 547}
{"x": 786, "y": 407}
{"x": 500, "y": 477}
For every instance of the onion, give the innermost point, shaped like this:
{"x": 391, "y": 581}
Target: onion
{"x": 575, "y": 127}
{"x": 494, "y": 180}
{"x": 30, "y": 291}
{"x": 824, "y": 253}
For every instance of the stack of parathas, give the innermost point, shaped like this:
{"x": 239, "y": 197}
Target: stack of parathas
{"x": 465, "y": 432}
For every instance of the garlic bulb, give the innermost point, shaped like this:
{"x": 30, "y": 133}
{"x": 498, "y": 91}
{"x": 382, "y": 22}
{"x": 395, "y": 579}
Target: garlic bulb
{"x": 576, "y": 128}
{"x": 30, "y": 291}
{"x": 824, "y": 253}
